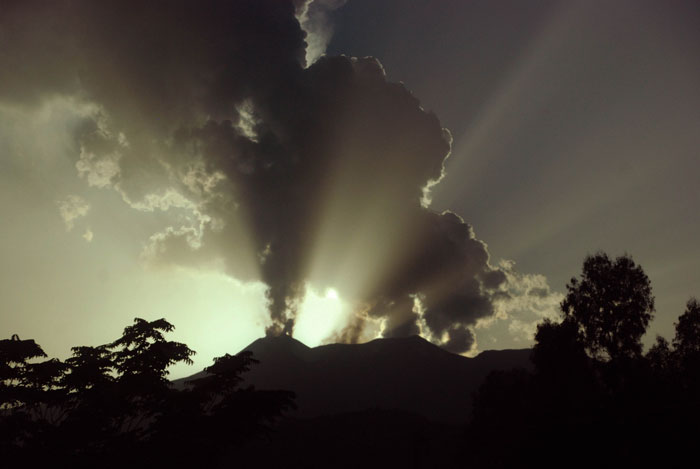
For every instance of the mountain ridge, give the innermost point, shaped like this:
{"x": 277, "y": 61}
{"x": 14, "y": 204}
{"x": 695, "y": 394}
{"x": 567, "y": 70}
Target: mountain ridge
{"x": 407, "y": 374}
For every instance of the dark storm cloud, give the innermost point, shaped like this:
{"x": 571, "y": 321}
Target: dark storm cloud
{"x": 449, "y": 273}
{"x": 340, "y": 113}
{"x": 209, "y": 108}
{"x": 154, "y": 68}
{"x": 460, "y": 340}
{"x": 172, "y": 60}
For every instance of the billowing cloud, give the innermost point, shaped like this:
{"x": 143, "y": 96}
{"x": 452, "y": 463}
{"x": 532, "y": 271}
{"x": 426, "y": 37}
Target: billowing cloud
{"x": 72, "y": 208}
{"x": 444, "y": 285}
{"x": 314, "y": 20}
{"x": 280, "y": 172}
{"x": 524, "y": 301}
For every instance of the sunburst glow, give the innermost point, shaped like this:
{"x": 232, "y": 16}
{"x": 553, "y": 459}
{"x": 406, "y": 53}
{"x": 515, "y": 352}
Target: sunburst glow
{"x": 331, "y": 294}
{"x": 320, "y": 315}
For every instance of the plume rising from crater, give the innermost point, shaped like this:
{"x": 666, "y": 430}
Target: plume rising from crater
{"x": 284, "y": 173}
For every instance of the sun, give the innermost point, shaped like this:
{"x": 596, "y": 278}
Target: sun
{"x": 319, "y": 316}
{"x": 331, "y": 294}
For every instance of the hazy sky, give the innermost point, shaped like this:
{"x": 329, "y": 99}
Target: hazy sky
{"x": 576, "y": 125}
{"x": 177, "y": 164}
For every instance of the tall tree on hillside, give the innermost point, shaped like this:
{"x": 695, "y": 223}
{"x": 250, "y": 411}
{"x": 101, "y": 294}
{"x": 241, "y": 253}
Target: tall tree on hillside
{"x": 16, "y": 398}
{"x": 143, "y": 354}
{"x": 611, "y": 305}
{"x": 141, "y": 357}
{"x": 590, "y": 392}
{"x": 686, "y": 344}
{"x": 113, "y": 406}
{"x": 687, "y": 339}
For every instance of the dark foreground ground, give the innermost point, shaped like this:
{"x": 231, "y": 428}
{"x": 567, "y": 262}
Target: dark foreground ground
{"x": 373, "y": 438}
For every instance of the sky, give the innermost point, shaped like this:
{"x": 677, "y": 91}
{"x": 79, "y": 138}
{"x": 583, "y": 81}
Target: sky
{"x": 576, "y": 126}
{"x": 231, "y": 166}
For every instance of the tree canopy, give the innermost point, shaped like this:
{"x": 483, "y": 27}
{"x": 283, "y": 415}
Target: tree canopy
{"x": 687, "y": 339}
{"x": 611, "y": 305}
{"x": 592, "y": 393}
{"x": 111, "y": 405}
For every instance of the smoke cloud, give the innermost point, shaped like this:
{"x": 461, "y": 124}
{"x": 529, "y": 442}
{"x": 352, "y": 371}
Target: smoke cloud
{"x": 72, "y": 208}
{"x": 313, "y": 18}
{"x": 209, "y": 108}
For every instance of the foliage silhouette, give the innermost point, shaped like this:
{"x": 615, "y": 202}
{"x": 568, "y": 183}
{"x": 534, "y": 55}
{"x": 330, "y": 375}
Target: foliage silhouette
{"x": 593, "y": 397}
{"x": 16, "y": 397}
{"x": 14, "y": 370}
{"x": 611, "y": 305}
{"x": 112, "y": 405}
{"x": 687, "y": 339}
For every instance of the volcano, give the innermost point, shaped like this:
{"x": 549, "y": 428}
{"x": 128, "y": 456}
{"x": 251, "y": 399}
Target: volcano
{"x": 394, "y": 374}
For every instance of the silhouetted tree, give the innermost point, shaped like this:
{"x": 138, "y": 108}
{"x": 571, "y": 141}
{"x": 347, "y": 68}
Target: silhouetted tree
{"x": 687, "y": 339}
{"x": 558, "y": 347}
{"x": 598, "y": 342}
{"x": 592, "y": 393}
{"x": 611, "y": 305}
{"x": 16, "y": 398}
{"x": 143, "y": 355}
{"x": 660, "y": 355}
{"x": 141, "y": 393}
{"x": 674, "y": 391}
{"x": 564, "y": 374}
{"x": 686, "y": 355}
{"x": 112, "y": 405}
{"x": 14, "y": 370}
{"x": 225, "y": 400}
{"x": 228, "y": 413}
{"x": 89, "y": 368}
{"x": 93, "y": 401}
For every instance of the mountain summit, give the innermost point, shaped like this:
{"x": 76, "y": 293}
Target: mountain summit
{"x": 278, "y": 346}
{"x": 406, "y": 374}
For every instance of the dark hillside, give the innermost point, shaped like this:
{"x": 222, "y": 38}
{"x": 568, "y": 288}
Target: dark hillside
{"x": 404, "y": 374}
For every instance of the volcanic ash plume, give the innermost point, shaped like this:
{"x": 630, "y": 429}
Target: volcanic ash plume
{"x": 287, "y": 174}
